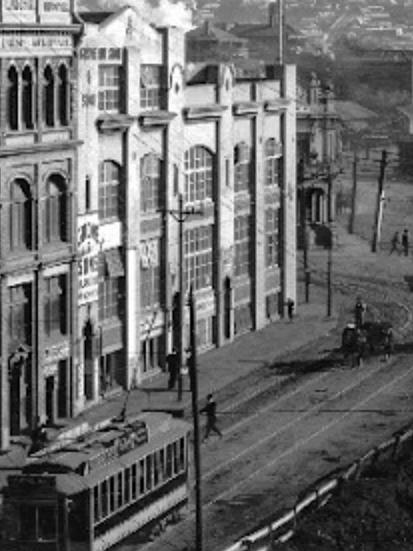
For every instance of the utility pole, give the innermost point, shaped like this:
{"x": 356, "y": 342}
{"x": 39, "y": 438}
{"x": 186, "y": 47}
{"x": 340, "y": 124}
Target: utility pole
{"x": 330, "y": 244}
{"x": 180, "y": 216}
{"x": 193, "y": 375}
{"x": 353, "y": 194}
{"x": 379, "y": 203}
{"x": 307, "y": 275}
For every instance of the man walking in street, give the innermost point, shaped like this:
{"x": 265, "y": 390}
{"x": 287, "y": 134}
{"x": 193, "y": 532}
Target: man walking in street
{"x": 395, "y": 242}
{"x": 210, "y": 410}
{"x": 405, "y": 241}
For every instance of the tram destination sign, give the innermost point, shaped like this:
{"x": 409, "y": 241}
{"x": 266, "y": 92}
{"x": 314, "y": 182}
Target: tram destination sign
{"x": 26, "y": 484}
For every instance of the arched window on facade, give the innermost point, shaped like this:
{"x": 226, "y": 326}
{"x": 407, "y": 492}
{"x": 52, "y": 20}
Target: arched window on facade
{"x": 13, "y": 98}
{"x": 151, "y": 173}
{"x": 28, "y": 98}
{"x": 48, "y": 97}
{"x": 273, "y": 163}
{"x": 20, "y": 216}
{"x": 55, "y": 210}
{"x": 63, "y": 96}
{"x": 199, "y": 173}
{"x": 109, "y": 191}
{"x": 242, "y": 167}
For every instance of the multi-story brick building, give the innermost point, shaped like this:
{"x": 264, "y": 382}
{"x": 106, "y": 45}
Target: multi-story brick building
{"x": 155, "y": 130}
{"x": 38, "y": 151}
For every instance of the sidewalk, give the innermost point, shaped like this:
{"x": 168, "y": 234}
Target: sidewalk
{"x": 221, "y": 367}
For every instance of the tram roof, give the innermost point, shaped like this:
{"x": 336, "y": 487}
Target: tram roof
{"x": 64, "y": 463}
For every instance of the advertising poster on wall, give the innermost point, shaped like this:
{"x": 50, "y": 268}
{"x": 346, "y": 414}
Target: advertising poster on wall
{"x": 88, "y": 244}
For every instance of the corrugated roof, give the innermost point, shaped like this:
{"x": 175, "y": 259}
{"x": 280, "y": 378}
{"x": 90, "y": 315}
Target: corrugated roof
{"x": 352, "y": 111}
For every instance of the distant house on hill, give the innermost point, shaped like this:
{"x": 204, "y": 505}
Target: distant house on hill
{"x": 214, "y": 43}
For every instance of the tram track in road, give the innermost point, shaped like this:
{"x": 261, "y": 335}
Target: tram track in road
{"x": 303, "y": 414}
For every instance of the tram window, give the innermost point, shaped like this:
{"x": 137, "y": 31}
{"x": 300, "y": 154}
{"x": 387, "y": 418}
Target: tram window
{"x": 96, "y": 503}
{"x": 27, "y": 522}
{"x": 46, "y": 523}
{"x": 111, "y": 494}
{"x": 142, "y": 476}
{"x": 169, "y": 461}
{"x": 148, "y": 472}
{"x": 104, "y": 498}
{"x": 162, "y": 464}
{"x": 175, "y": 456}
{"x": 133, "y": 481}
{"x": 127, "y": 484}
{"x": 182, "y": 454}
{"x": 120, "y": 489}
{"x": 156, "y": 473}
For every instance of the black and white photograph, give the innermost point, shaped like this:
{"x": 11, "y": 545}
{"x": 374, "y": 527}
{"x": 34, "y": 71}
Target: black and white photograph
{"x": 206, "y": 275}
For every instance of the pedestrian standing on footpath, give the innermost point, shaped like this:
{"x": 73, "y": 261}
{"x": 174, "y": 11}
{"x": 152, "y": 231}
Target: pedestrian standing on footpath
{"x": 210, "y": 410}
{"x": 395, "y": 242}
{"x": 405, "y": 242}
{"x": 290, "y": 308}
{"x": 173, "y": 367}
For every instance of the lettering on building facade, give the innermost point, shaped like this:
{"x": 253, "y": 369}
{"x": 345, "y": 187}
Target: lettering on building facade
{"x": 101, "y": 54}
{"x": 34, "y": 41}
{"x": 89, "y": 248}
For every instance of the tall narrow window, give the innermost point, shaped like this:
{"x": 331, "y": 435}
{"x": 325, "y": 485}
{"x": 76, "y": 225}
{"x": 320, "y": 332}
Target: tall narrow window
{"x": 272, "y": 163}
{"x": 198, "y": 252}
{"x": 55, "y": 209}
{"x": 20, "y": 216}
{"x": 55, "y": 306}
{"x": 271, "y": 237}
{"x": 27, "y": 98}
{"x": 109, "y": 88}
{"x": 242, "y": 167}
{"x": 109, "y": 191}
{"x": 20, "y": 326}
{"x": 242, "y": 233}
{"x": 48, "y": 97}
{"x": 63, "y": 96}
{"x": 13, "y": 98}
{"x": 198, "y": 174}
{"x": 111, "y": 285}
{"x": 150, "y": 87}
{"x": 150, "y": 183}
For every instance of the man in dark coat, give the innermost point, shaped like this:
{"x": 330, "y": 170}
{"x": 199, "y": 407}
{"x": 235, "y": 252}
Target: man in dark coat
{"x": 210, "y": 410}
{"x": 405, "y": 242}
{"x": 173, "y": 368}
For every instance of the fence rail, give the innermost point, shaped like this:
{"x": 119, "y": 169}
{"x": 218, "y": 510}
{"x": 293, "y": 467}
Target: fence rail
{"x": 283, "y": 528}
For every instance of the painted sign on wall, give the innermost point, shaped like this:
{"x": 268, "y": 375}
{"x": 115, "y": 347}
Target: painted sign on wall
{"x": 88, "y": 247}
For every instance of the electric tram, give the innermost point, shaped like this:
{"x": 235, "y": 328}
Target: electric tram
{"x": 100, "y": 488}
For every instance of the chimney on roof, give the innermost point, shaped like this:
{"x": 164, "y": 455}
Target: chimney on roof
{"x": 274, "y": 14}
{"x": 276, "y": 21}
{"x": 207, "y": 27}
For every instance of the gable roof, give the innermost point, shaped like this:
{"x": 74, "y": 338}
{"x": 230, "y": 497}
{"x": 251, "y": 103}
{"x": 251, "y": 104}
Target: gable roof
{"x": 210, "y": 32}
{"x": 352, "y": 111}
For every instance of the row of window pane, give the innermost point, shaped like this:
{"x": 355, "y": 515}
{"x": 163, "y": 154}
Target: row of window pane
{"x": 150, "y": 87}
{"x": 55, "y": 305}
{"x": 150, "y": 280}
{"x": 242, "y": 243}
{"x": 22, "y": 94}
{"x": 128, "y": 485}
{"x": 198, "y": 174}
{"x": 110, "y": 297}
{"x": 150, "y": 183}
{"x": 271, "y": 236}
{"x": 109, "y": 190}
{"x": 198, "y": 257}
{"x": 109, "y": 88}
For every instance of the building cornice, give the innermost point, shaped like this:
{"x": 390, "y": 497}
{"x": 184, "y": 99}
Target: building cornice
{"x": 246, "y": 108}
{"x": 150, "y": 119}
{"x": 276, "y": 105}
{"x": 40, "y": 27}
{"x": 114, "y": 123}
{"x": 202, "y": 112}
{"x": 39, "y": 148}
